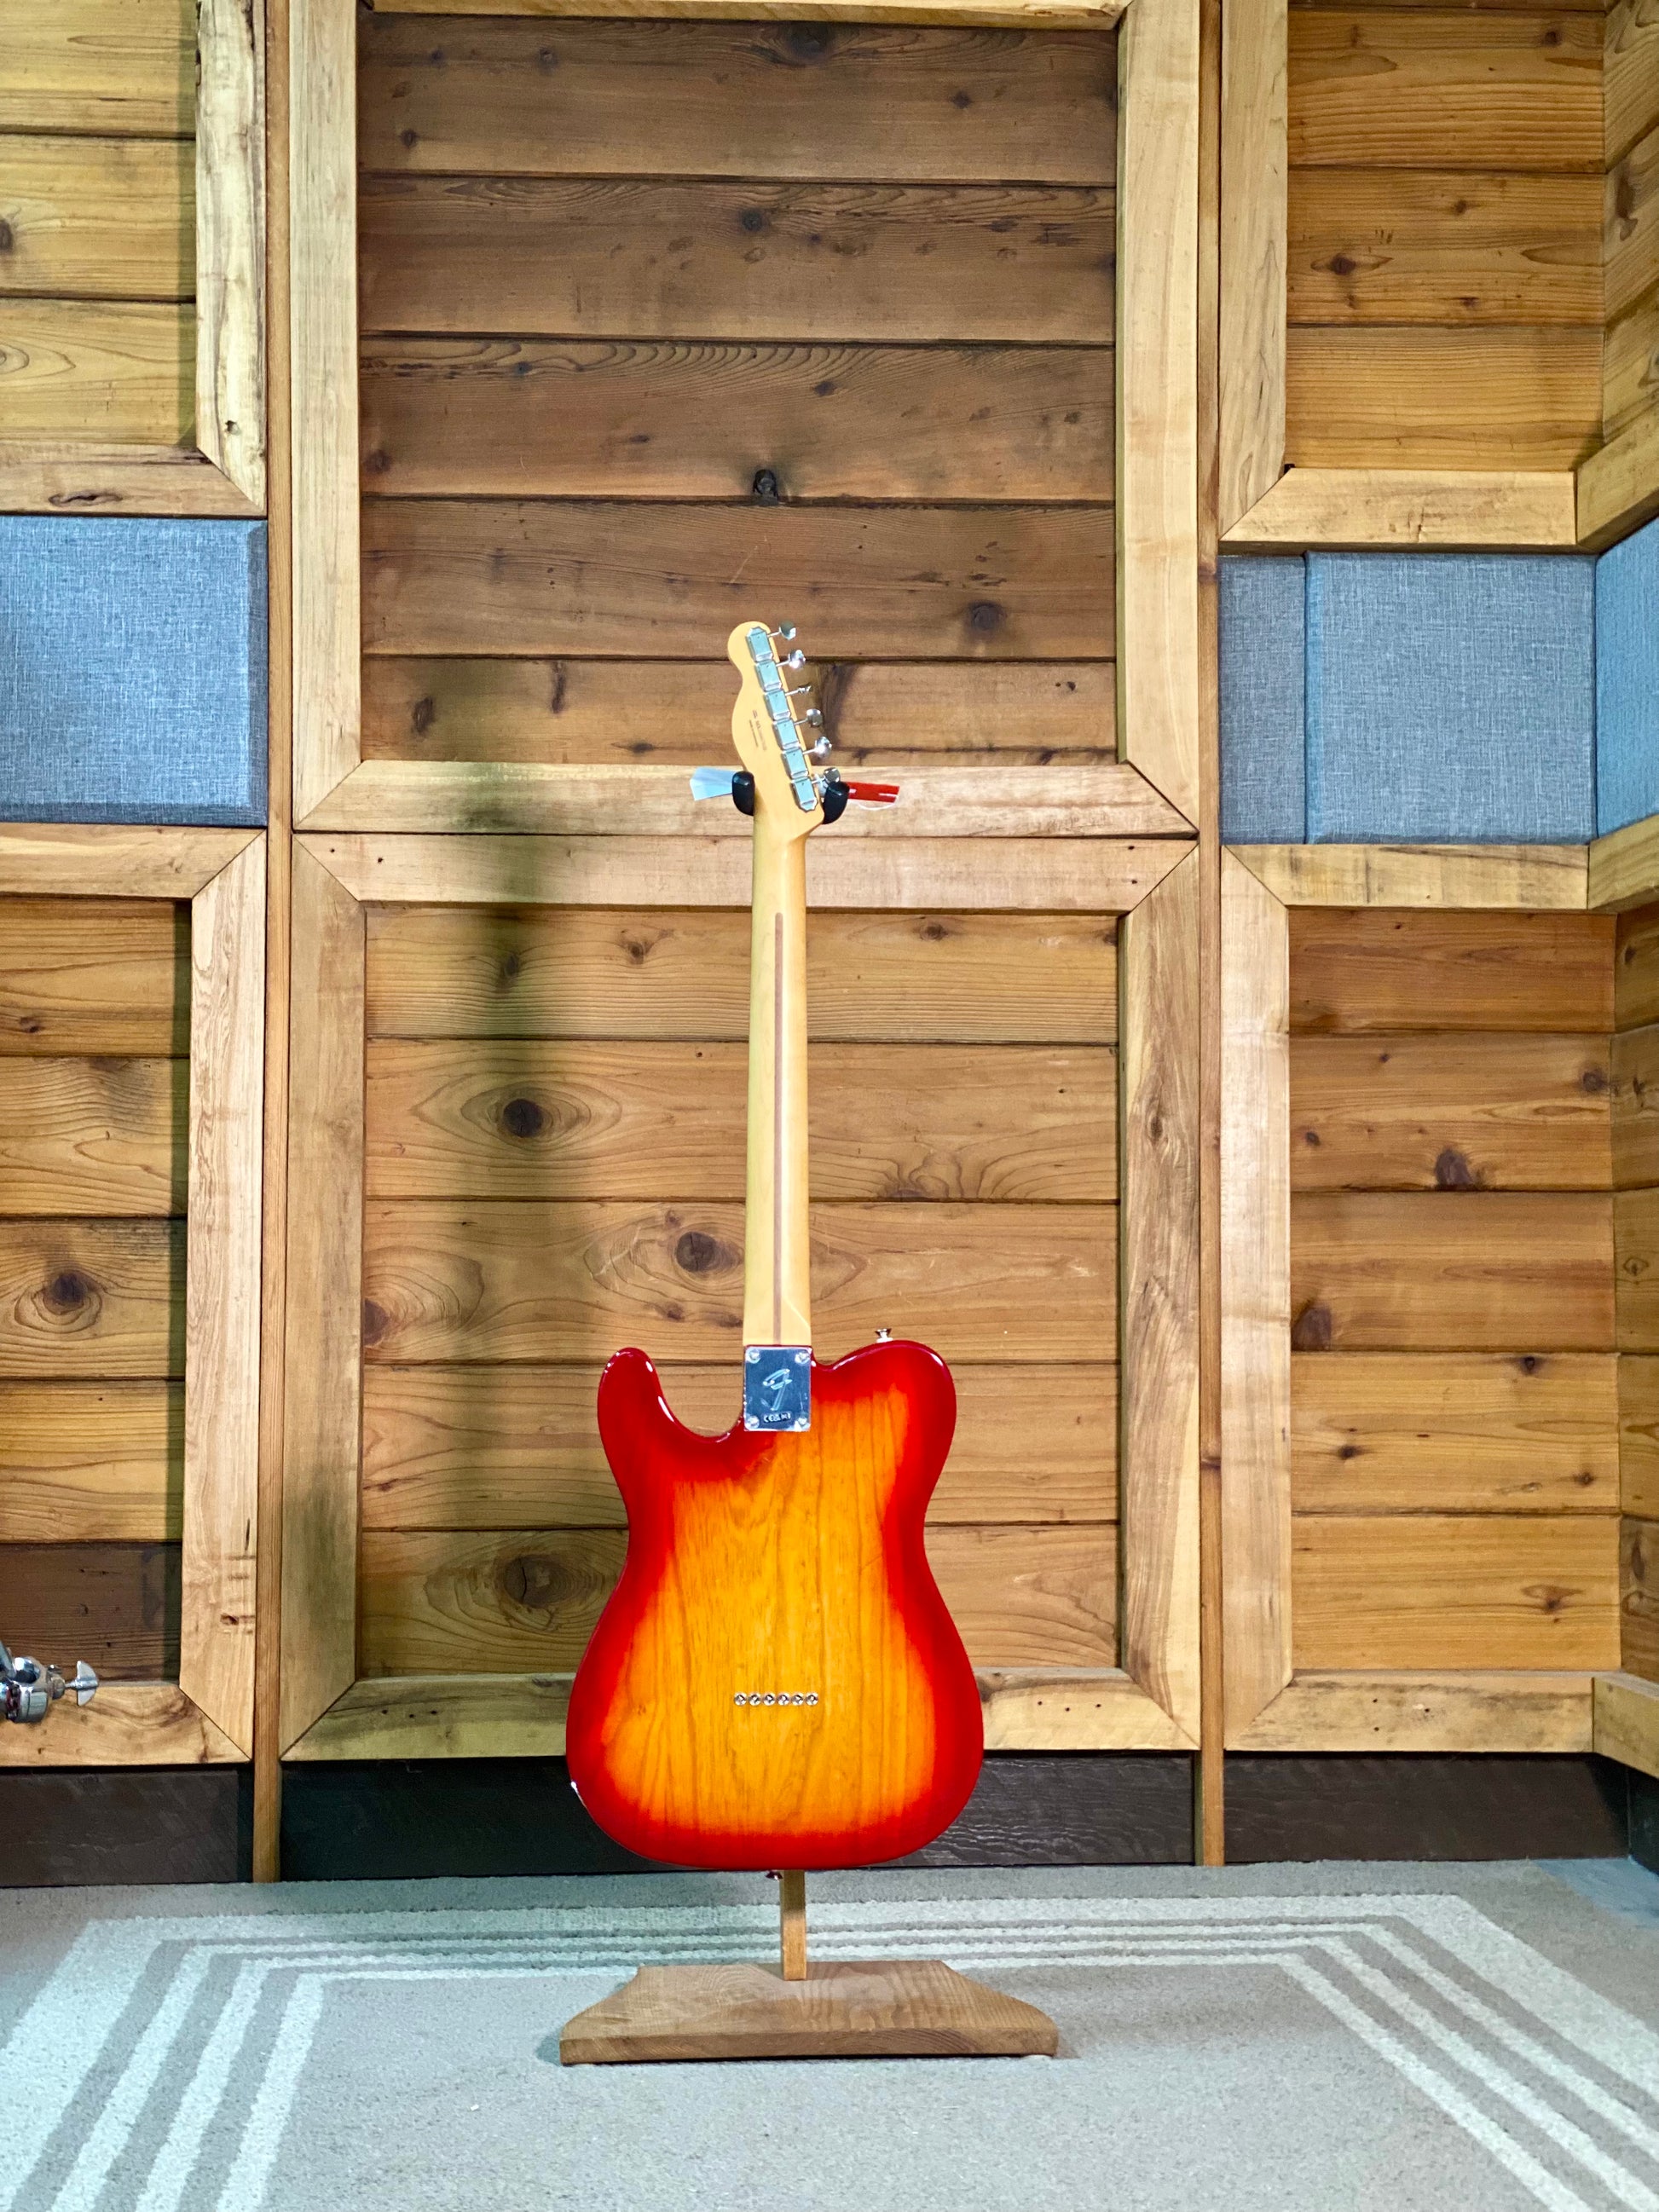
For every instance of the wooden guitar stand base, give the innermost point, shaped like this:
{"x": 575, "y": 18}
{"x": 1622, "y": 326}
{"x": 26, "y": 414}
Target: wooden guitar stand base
{"x": 862, "y": 2008}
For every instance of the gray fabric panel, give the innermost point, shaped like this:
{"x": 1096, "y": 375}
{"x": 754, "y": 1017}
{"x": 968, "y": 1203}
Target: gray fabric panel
{"x": 1627, "y": 681}
{"x": 1263, "y": 794}
{"x": 132, "y": 670}
{"x": 1452, "y": 697}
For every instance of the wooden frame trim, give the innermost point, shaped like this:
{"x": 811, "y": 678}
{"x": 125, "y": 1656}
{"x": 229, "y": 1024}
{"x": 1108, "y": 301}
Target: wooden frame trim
{"x": 224, "y": 474}
{"x": 1485, "y": 1710}
{"x": 1521, "y": 875}
{"x": 335, "y": 788}
{"x": 1624, "y": 866}
{"x": 1406, "y": 510}
{"x": 1254, "y": 254}
{"x": 1627, "y": 1721}
{"x": 209, "y": 1713}
{"x": 1009, "y": 14}
{"x": 1619, "y": 486}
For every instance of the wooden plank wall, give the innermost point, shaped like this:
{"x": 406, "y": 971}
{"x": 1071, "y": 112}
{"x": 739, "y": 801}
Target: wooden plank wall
{"x": 1631, "y": 236}
{"x": 663, "y": 322}
{"x": 537, "y": 1194}
{"x": 95, "y": 1013}
{"x": 1446, "y": 191}
{"x": 97, "y": 209}
{"x": 1455, "y": 1477}
{"x": 1635, "y": 1180}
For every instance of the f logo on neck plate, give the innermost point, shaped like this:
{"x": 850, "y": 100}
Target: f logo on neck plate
{"x": 777, "y": 1386}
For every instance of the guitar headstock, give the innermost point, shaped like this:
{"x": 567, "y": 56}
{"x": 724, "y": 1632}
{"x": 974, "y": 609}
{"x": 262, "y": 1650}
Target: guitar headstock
{"x": 776, "y": 728}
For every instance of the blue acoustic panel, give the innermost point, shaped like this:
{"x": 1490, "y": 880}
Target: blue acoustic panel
{"x": 1627, "y": 681}
{"x": 1451, "y": 698}
{"x": 133, "y": 670}
{"x": 1262, "y": 621}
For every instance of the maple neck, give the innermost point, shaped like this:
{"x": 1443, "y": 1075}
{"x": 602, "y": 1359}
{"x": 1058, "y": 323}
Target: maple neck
{"x": 776, "y": 1270}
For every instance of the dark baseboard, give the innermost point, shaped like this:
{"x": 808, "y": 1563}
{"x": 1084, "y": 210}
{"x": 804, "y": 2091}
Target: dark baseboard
{"x": 82, "y": 1824}
{"x": 1408, "y": 1805}
{"x": 1644, "y": 1820}
{"x": 446, "y": 1817}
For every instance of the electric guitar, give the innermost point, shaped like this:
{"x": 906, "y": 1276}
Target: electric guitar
{"x": 776, "y": 1681}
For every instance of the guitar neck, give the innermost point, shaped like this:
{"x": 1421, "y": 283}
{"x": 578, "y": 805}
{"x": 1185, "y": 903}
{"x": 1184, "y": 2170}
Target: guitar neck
{"x": 776, "y": 1273}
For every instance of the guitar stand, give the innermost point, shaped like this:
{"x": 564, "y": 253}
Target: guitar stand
{"x": 852, "y": 2009}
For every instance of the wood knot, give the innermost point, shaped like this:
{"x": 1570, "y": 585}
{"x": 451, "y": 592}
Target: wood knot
{"x": 8, "y": 238}
{"x": 421, "y": 715}
{"x": 961, "y": 99}
{"x": 810, "y": 43}
{"x": 1349, "y": 1451}
{"x": 376, "y": 1321}
{"x": 825, "y": 388}
{"x": 700, "y": 1254}
{"x": 512, "y": 967}
{"x": 1551, "y": 1598}
{"x": 984, "y": 617}
{"x": 1453, "y": 1172}
{"x": 764, "y": 488}
{"x": 1340, "y": 265}
{"x": 523, "y": 1117}
{"x": 753, "y": 221}
{"x": 933, "y": 932}
{"x": 69, "y": 1292}
{"x": 1594, "y": 1081}
{"x": 1530, "y": 1363}
{"x": 409, "y": 137}
{"x": 533, "y": 1581}
{"x": 377, "y": 463}
{"x": 1311, "y": 1329}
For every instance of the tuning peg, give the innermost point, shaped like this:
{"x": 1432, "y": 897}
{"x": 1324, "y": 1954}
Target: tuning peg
{"x": 814, "y": 717}
{"x": 795, "y": 659}
{"x": 786, "y": 631}
{"x": 821, "y": 749}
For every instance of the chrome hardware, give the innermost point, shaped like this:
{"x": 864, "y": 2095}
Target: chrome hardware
{"x": 28, "y": 1691}
{"x": 777, "y": 1386}
{"x": 821, "y": 747}
{"x": 883, "y": 1336}
{"x": 786, "y": 631}
{"x": 814, "y": 717}
{"x": 795, "y": 659}
{"x": 774, "y": 1698}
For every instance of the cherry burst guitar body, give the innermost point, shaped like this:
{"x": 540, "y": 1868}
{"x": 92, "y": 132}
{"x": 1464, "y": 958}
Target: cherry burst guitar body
{"x": 776, "y": 1681}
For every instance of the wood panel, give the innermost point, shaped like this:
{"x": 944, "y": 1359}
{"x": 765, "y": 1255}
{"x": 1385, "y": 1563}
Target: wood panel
{"x": 83, "y": 1462}
{"x": 114, "y": 861}
{"x": 1627, "y": 1721}
{"x": 1394, "y": 87}
{"x": 1636, "y": 1234}
{"x": 661, "y": 974}
{"x": 508, "y": 416}
{"x": 1631, "y": 220}
{"x": 526, "y": 1601}
{"x": 102, "y": 1136}
{"x": 133, "y": 1725}
{"x": 108, "y": 371}
{"x": 1405, "y": 510}
{"x": 1478, "y": 1709}
{"x": 1486, "y": 1112}
{"x": 855, "y": 102}
{"x": 624, "y": 257}
{"x": 546, "y": 1120}
{"x": 116, "y": 1605}
{"x": 1251, "y": 256}
{"x": 98, "y": 218}
{"x": 1479, "y": 1270}
{"x": 1638, "y": 1598}
{"x": 1635, "y": 1065}
{"x": 443, "y": 576}
{"x": 1443, "y": 246}
{"x": 1631, "y": 74}
{"x": 1355, "y": 970}
{"x": 92, "y": 1298}
{"x": 1518, "y": 878}
{"x": 1429, "y": 1590}
{"x": 624, "y": 712}
{"x": 97, "y": 976}
{"x": 1454, "y": 1432}
{"x": 505, "y": 1447}
{"x": 1630, "y": 368}
{"x": 85, "y": 66}
{"x": 1639, "y": 1436}
{"x": 1505, "y": 399}
{"x": 1636, "y": 968}
{"x": 569, "y": 1281}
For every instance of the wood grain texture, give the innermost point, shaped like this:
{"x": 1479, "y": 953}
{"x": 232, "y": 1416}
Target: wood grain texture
{"x": 1479, "y": 1710}
{"x": 1253, "y": 254}
{"x": 1638, "y": 1598}
{"x": 112, "y": 372}
{"x": 546, "y": 1120}
{"x": 116, "y": 1605}
{"x": 89, "y": 1463}
{"x": 1631, "y": 73}
{"x": 321, "y": 259}
{"x": 222, "y": 1293}
{"x": 1624, "y": 867}
{"x": 126, "y": 1724}
{"x": 1635, "y": 1067}
{"x": 623, "y": 712}
{"x": 1375, "y": 1432}
{"x": 935, "y": 801}
{"x": 1619, "y": 486}
{"x": 1477, "y": 1271}
{"x": 609, "y": 97}
{"x": 1636, "y": 1236}
{"x": 626, "y": 258}
{"x": 92, "y": 1298}
{"x": 1452, "y": 1591}
{"x": 105, "y": 861}
{"x": 1399, "y": 87}
{"x": 443, "y": 576}
{"x": 1255, "y": 1295}
{"x": 1157, "y": 307}
{"x": 1365, "y": 971}
{"x": 85, "y": 66}
{"x": 230, "y": 242}
{"x": 1051, "y": 875}
{"x": 1636, "y": 968}
{"x": 45, "y": 476}
{"x": 505, "y": 1447}
{"x": 567, "y": 1280}
{"x": 1473, "y": 398}
{"x": 97, "y": 218}
{"x": 1396, "y": 509}
{"x": 509, "y": 417}
{"x": 1006, "y": 15}
{"x": 96, "y": 978}
{"x": 1630, "y": 371}
{"x": 1061, "y": 1709}
{"x": 323, "y": 1333}
{"x": 1529, "y": 876}
{"x": 102, "y": 1136}
{"x": 1639, "y": 1436}
{"x": 1484, "y": 1112}
{"x": 1444, "y": 245}
{"x": 1158, "y": 1293}
{"x": 654, "y": 975}
{"x": 1631, "y": 226}
{"x": 527, "y": 1601}
{"x": 1627, "y": 1710}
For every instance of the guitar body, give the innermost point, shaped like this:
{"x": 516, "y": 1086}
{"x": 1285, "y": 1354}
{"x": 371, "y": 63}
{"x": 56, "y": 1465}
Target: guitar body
{"x": 789, "y": 1565}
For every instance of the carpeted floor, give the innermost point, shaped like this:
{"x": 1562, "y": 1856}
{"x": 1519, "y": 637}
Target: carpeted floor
{"x": 1353, "y": 2039}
